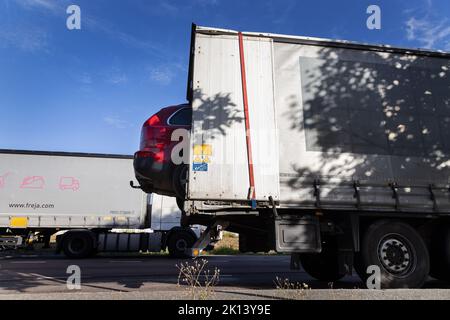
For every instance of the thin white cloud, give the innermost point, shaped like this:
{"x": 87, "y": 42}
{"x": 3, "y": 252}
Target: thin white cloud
{"x": 162, "y": 75}
{"x": 114, "y": 75}
{"x": 51, "y": 5}
{"x": 174, "y": 9}
{"x": 428, "y": 32}
{"x": 168, "y": 7}
{"x": 206, "y": 2}
{"x": 117, "y": 78}
{"x": 85, "y": 79}
{"x": 147, "y": 45}
{"x": 58, "y": 7}
{"x": 427, "y": 27}
{"x": 26, "y": 36}
{"x": 116, "y": 122}
{"x": 25, "y": 40}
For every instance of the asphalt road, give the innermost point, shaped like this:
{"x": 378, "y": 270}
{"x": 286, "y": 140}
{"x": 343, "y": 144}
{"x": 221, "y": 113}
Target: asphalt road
{"x": 44, "y": 276}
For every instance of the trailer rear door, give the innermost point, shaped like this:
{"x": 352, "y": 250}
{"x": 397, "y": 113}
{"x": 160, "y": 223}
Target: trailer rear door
{"x": 224, "y": 163}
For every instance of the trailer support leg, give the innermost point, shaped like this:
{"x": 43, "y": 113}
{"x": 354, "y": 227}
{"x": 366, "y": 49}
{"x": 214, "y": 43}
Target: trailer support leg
{"x": 211, "y": 233}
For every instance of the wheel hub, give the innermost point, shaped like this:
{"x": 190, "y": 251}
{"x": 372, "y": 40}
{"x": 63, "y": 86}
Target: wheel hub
{"x": 395, "y": 255}
{"x": 181, "y": 245}
{"x": 77, "y": 245}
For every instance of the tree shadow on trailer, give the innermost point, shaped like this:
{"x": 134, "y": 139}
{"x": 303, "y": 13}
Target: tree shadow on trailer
{"x": 369, "y": 117}
{"x": 217, "y": 114}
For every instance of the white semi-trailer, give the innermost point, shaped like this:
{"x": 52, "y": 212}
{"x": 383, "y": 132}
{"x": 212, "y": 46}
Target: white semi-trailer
{"x": 335, "y": 152}
{"x": 87, "y": 200}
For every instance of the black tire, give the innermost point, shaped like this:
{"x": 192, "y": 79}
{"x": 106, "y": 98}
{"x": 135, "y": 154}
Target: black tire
{"x": 78, "y": 245}
{"x": 178, "y": 243}
{"x": 179, "y": 180}
{"x": 323, "y": 266}
{"x": 400, "y": 253}
{"x": 440, "y": 254}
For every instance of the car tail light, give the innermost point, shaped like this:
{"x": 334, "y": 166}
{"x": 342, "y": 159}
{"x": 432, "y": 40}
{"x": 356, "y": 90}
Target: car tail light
{"x": 154, "y": 137}
{"x": 153, "y": 121}
{"x": 154, "y": 134}
{"x": 156, "y": 141}
{"x": 160, "y": 146}
{"x": 158, "y": 156}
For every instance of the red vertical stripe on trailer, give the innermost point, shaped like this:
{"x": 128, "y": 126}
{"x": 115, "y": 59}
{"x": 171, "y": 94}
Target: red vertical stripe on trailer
{"x": 252, "y": 192}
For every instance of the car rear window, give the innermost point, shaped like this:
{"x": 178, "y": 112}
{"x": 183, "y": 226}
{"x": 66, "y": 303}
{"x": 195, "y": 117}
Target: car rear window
{"x": 182, "y": 117}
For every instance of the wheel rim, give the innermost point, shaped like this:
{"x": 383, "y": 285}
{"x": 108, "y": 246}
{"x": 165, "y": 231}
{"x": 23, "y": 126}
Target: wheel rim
{"x": 77, "y": 245}
{"x": 181, "y": 245}
{"x": 396, "y": 255}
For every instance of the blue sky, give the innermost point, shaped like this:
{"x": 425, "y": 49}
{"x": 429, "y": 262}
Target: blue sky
{"x": 90, "y": 90}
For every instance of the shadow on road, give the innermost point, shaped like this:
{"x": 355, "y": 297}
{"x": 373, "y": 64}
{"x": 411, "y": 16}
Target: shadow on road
{"x": 122, "y": 273}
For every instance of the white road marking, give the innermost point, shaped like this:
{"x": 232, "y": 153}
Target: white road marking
{"x": 40, "y": 277}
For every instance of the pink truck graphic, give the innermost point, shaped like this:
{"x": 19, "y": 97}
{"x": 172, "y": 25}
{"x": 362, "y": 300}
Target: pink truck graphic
{"x": 2, "y": 179}
{"x": 69, "y": 183}
{"x": 33, "y": 182}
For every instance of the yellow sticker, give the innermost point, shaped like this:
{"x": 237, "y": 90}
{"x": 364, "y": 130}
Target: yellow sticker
{"x": 198, "y": 159}
{"x": 202, "y": 153}
{"x": 18, "y": 222}
{"x": 207, "y": 150}
{"x": 198, "y": 150}
{"x": 203, "y": 150}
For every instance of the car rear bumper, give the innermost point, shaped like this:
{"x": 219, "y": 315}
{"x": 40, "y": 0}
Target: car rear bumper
{"x": 154, "y": 176}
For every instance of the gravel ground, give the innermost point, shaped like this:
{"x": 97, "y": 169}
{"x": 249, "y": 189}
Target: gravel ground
{"x": 243, "y": 294}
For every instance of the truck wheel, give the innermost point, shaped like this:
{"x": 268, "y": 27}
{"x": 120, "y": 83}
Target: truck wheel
{"x": 440, "y": 254}
{"x": 400, "y": 253}
{"x": 78, "y": 245}
{"x": 323, "y": 266}
{"x": 178, "y": 243}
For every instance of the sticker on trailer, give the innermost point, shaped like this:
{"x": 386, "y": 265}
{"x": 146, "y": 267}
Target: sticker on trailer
{"x": 18, "y": 222}
{"x": 200, "y": 167}
{"x": 202, "y": 153}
